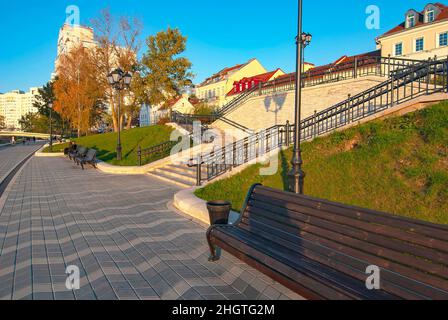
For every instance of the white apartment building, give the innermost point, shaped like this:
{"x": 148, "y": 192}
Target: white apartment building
{"x": 15, "y": 104}
{"x": 71, "y": 37}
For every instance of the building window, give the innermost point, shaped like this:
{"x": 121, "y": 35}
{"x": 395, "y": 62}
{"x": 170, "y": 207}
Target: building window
{"x": 430, "y": 16}
{"x": 411, "y": 20}
{"x": 419, "y": 45}
{"x": 443, "y": 39}
{"x": 399, "y": 49}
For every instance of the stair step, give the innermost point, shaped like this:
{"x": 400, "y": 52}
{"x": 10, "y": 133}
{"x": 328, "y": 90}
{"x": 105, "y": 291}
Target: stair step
{"x": 176, "y": 174}
{"x": 174, "y": 180}
{"x": 185, "y": 169}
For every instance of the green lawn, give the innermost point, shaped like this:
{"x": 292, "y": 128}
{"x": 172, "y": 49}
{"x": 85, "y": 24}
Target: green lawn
{"x": 397, "y": 165}
{"x": 106, "y": 144}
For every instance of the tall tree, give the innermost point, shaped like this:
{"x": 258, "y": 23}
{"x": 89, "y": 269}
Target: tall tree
{"x": 164, "y": 71}
{"x": 42, "y": 102}
{"x": 34, "y": 122}
{"x": 79, "y": 94}
{"x": 118, "y": 46}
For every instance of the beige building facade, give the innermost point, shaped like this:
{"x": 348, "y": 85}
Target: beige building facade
{"x": 15, "y": 104}
{"x": 214, "y": 89}
{"x": 423, "y": 34}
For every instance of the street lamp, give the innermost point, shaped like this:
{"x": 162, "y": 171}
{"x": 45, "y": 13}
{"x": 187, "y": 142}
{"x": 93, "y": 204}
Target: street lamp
{"x": 120, "y": 81}
{"x": 50, "y": 105}
{"x": 297, "y": 175}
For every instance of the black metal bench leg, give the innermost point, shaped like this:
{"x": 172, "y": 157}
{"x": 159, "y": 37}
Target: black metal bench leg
{"x": 215, "y": 252}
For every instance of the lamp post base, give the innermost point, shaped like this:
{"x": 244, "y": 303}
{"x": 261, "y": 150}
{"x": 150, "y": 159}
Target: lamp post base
{"x": 119, "y": 153}
{"x": 297, "y": 176}
{"x": 296, "y": 181}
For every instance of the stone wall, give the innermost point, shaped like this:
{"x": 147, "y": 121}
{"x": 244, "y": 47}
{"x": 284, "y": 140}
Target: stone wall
{"x": 265, "y": 111}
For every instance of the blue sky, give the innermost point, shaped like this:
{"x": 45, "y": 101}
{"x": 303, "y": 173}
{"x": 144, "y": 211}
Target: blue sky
{"x": 220, "y": 34}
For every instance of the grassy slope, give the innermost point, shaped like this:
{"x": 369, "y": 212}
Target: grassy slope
{"x": 398, "y": 165}
{"x": 106, "y": 143}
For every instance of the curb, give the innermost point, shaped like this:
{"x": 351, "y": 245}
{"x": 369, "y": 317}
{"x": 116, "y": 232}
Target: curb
{"x": 40, "y": 154}
{"x": 131, "y": 170}
{"x": 189, "y": 204}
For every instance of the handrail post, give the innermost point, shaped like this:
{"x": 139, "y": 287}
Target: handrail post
{"x": 139, "y": 156}
{"x": 288, "y": 134}
{"x": 349, "y": 109}
{"x": 316, "y": 124}
{"x": 388, "y": 66}
{"x": 199, "y": 171}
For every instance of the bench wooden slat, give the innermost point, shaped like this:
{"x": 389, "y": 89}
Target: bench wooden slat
{"x": 310, "y": 278}
{"x": 342, "y": 259}
{"x": 354, "y": 237}
{"x": 352, "y": 212}
{"x": 361, "y": 213}
{"x": 384, "y": 230}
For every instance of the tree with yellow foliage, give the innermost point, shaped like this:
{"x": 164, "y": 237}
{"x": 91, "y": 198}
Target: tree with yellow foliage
{"x": 79, "y": 95}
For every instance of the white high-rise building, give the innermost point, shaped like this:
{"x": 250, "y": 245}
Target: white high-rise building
{"x": 71, "y": 37}
{"x": 15, "y": 104}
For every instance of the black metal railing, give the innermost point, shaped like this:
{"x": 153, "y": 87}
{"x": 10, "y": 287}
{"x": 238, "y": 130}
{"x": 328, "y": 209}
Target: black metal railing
{"x": 420, "y": 79}
{"x": 154, "y": 153}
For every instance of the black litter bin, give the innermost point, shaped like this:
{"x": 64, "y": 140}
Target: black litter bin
{"x": 219, "y": 212}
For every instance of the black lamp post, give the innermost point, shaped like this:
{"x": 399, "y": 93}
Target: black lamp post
{"x": 297, "y": 175}
{"x": 120, "y": 81}
{"x": 50, "y": 105}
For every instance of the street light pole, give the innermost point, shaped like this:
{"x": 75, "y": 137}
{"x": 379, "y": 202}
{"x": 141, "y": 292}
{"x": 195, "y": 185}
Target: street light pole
{"x": 297, "y": 175}
{"x": 119, "y": 81}
{"x": 50, "y": 105}
{"x": 119, "y": 148}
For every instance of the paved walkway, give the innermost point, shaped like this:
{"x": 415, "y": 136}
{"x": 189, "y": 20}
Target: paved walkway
{"x": 119, "y": 231}
{"x": 11, "y": 156}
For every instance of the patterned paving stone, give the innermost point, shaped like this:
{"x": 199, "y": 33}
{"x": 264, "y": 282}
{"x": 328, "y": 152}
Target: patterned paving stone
{"x": 11, "y": 156}
{"x": 121, "y": 235}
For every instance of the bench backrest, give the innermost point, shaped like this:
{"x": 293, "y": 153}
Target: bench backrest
{"x": 90, "y": 156}
{"x": 81, "y": 151}
{"x": 411, "y": 254}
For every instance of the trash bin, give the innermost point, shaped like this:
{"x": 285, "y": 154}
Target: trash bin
{"x": 219, "y": 212}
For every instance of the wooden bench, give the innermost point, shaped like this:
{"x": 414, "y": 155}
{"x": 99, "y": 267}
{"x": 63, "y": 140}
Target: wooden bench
{"x": 80, "y": 151}
{"x": 88, "y": 158}
{"x": 322, "y": 250}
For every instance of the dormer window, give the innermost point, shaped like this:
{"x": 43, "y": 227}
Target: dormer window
{"x": 411, "y": 20}
{"x": 430, "y": 16}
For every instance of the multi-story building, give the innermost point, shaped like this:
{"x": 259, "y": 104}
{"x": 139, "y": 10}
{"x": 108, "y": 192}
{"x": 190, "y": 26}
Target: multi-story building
{"x": 215, "y": 88}
{"x": 15, "y": 104}
{"x": 72, "y": 36}
{"x": 248, "y": 83}
{"x": 422, "y": 35}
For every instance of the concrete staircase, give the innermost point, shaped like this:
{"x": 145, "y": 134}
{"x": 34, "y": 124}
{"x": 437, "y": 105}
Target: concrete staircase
{"x": 180, "y": 175}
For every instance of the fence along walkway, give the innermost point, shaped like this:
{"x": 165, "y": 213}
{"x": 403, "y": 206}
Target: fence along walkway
{"x": 404, "y": 84}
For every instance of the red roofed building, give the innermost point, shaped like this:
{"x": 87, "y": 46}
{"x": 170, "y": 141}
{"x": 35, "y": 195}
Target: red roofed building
{"x": 422, "y": 35}
{"x": 247, "y": 83}
{"x": 215, "y": 88}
